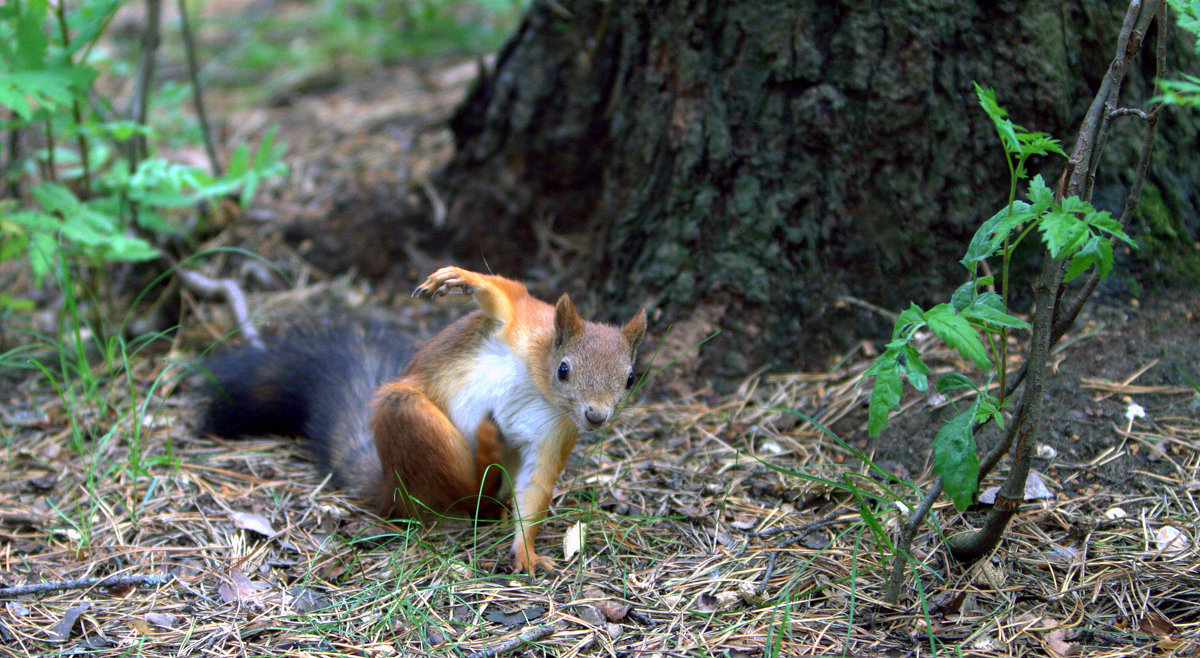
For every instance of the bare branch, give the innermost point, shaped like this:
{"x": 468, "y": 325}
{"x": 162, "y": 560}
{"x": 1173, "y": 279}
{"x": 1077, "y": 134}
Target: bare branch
{"x": 197, "y": 91}
{"x": 125, "y": 580}
{"x": 140, "y": 103}
{"x": 533, "y": 635}
{"x": 228, "y": 290}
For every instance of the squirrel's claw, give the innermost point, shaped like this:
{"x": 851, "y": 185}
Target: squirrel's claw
{"x": 444, "y": 281}
{"x": 532, "y": 562}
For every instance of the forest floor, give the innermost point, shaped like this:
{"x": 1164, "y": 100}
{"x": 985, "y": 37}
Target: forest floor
{"x": 704, "y": 525}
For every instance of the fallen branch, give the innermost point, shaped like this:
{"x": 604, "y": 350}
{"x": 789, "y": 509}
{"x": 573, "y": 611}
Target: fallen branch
{"x": 541, "y": 632}
{"x": 124, "y": 580}
{"x": 228, "y": 290}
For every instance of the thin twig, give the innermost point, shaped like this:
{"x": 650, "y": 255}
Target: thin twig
{"x": 122, "y": 580}
{"x": 805, "y": 530}
{"x": 228, "y": 290}
{"x": 189, "y": 49}
{"x": 12, "y": 156}
{"x": 60, "y": 12}
{"x": 541, "y": 632}
{"x": 140, "y": 107}
{"x": 907, "y": 533}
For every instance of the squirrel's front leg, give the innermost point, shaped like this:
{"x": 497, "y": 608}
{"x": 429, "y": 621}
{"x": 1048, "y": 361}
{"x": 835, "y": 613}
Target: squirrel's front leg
{"x": 496, "y": 295}
{"x": 533, "y": 486}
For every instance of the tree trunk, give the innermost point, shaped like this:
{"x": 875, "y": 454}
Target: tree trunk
{"x": 748, "y": 165}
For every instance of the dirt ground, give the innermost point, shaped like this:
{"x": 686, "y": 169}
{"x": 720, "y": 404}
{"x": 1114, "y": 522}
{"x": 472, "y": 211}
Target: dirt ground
{"x": 714, "y": 525}
{"x": 1145, "y": 352}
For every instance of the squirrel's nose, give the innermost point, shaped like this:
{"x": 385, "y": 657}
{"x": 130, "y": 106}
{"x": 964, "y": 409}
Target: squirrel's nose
{"x": 595, "y": 416}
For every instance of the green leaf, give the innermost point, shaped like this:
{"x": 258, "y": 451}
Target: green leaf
{"x": 952, "y": 381}
{"x": 915, "y": 369}
{"x": 966, "y": 294}
{"x": 49, "y": 88}
{"x": 1040, "y": 197}
{"x": 11, "y": 303}
{"x": 911, "y": 319}
{"x": 32, "y": 42}
{"x": 1096, "y": 252}
{"x": 988, "y": 309}
{"x": 43, "y": 249}
{"x": 90, "y": 19}
{"x": 955, "y": 461}
{"x": 15, "y": 100}
{"x": 885, "y": 396}
{"x": 958, "y": 333}
{"x": 990, "y": 235}
{"x": 1105, "y": 222}
{"x": 129, "y": 249}
{"x": 987, "y": 406}
{"x": 963, "y": 296}
{"x": 34, "y": 220}
{"x": 1063, "y": 232}
{"x": 1184, "y": 92}
{"x": 239, "y": 161}
{"x": 1038, "y": 144}
{"x": 1005, "y": 128}
{"x": 150, "y": 219}
{"x": 56, "y": 198}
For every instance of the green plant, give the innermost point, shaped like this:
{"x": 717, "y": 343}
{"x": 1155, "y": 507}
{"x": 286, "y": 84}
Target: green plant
{"x": 976, "y": 320}
{"x": 1076, "y": 239}
{"x": 91, "y": 196}
{"x": 1185, "y": 91}
{"x": 335, "y": 31}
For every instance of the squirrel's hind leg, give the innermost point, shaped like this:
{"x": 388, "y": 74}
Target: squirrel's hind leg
{"x": 428, "y": 467}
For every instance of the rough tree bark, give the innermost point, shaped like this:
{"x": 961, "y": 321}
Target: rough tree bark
{"x": 746, "y": 165}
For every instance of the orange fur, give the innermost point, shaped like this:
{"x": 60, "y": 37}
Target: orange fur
{"x": 523, "y": 404}
{"x": 431, "y": 468}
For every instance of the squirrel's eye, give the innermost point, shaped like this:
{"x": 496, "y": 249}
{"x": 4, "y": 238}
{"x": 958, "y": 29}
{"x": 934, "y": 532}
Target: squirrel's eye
{"x": 629, "y": 382}
{"x": 564, "y": 371}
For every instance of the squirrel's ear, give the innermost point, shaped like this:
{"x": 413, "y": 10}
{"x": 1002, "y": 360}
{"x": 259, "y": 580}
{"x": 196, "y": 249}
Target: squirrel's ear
{"x": 567, "y": 323}
{"x": 635, "y": 330}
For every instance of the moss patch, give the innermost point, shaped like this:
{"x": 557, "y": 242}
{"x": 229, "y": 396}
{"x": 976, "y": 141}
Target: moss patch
{"x": 1167, "y": 253}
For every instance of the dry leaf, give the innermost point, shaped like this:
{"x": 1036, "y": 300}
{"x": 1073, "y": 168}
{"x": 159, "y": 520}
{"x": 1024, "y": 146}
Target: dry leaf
{"x": 162, "y": 619}
{"x": 1035, "y": 487}
{"x": 1155, "y": 623}
{"x": 612, "y": 610}
{"x": 590, "y": 614}
{"x": 307, "y": 599}
{"x": 255, "y": 523}
{"x": 61, "y": 631}
{"x": 706, "y": 602}
{"x": 750, "y": 594}
{"x": 240, "y": 589}
{"x": 1056, "y": 641}
{"x": 1171, "y": 541}
{"x": 573, "y": 540}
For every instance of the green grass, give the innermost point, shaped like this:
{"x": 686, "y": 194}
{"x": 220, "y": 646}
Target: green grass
{"x": 331, "y": 31}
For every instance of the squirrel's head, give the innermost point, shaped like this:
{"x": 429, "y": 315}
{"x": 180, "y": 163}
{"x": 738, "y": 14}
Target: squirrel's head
{"x": 591, "y": 364}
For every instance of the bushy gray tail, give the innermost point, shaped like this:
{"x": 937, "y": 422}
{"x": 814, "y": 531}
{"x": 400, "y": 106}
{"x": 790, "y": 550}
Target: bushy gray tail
{"x": 315, "y": 381}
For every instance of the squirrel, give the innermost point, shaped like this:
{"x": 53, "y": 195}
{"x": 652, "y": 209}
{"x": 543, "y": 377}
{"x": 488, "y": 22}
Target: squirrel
{"x": 510, "y": 384}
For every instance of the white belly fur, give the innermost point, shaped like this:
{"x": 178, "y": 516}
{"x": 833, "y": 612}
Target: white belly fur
{"x": 500, "y": 387}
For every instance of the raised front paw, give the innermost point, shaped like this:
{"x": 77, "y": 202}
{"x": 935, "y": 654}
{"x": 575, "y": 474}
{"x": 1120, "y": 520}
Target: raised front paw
{"x": 444, "y": 281}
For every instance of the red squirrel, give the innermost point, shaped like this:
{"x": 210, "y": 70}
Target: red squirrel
{"x": 510, "y": 384}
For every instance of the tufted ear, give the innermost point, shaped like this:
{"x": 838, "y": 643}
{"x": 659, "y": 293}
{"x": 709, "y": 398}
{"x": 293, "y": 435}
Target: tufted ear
{"x": 567, "y": 323}
{"x": 635, "y": 330}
